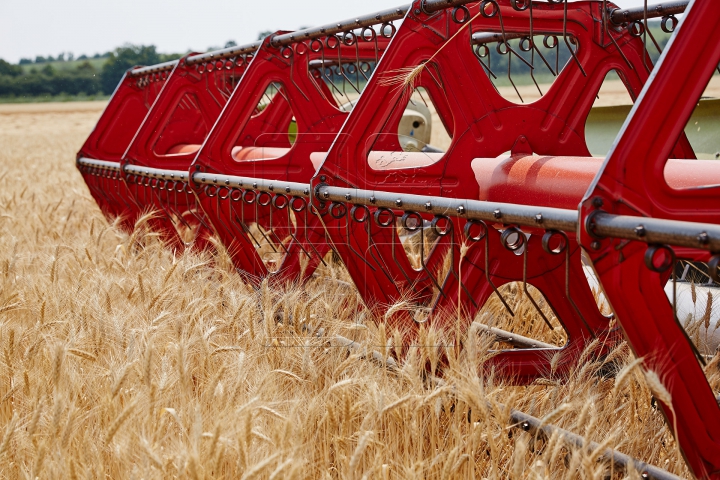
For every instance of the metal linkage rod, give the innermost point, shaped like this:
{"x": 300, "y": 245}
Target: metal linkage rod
{"x": 511, "y": 338}
{"x": 622, "y": 16}
{"x": 659, "y": 231}
{"x": 533, "y": 425}
{"x": 195, "y": 59}
{"x": 384, "y": 16}
{"x": 259, "y": 184}
{"x": 482, "y": 38}
{"x": 102, "y": 164}
{"x": 645, "y": 229}
{"x": 179, "y": 175}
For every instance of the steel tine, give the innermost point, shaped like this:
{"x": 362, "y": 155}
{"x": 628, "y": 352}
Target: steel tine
{"x": 527, "y": 292}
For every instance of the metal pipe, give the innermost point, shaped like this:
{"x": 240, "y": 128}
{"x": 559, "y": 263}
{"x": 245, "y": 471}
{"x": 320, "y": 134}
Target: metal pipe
{"x": 544, "y": 217}
{"x": 224, "y": 53}
{"x": 655, "y": 230}
{"x": 482, "y": 38}
{"x": 368, "y": 20}
{"x": 179, "y": 175}
{"x": 195, "y": 59}
{"x": 159, "y": 67}
{"x": 512, "y": 338}
{"x": 621, "y": 16}
{"x": 361, "y": 351}
{"x": 102, "y": 164}
{"x": 259, "y": 184}
{"x": 535, "y": 426}
{"x": 645, "y": 229}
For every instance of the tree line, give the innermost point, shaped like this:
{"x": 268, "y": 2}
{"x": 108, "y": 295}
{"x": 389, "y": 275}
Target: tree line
{"x": 67, "y": 75}
{"x": 40, "y": 78}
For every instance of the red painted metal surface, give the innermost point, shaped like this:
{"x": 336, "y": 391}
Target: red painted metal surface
{"x": 111, "y": 137}
{"x": 631, "y": 182}
{"x": 238, "y": 146}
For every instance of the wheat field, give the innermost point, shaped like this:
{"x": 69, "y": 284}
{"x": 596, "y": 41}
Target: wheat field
{"x": 121, "y": 360}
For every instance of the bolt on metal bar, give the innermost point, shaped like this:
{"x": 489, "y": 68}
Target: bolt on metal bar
{"x": 482, "y": 38}
{"x": 363, "y": 21}
{"x": 621, "y": 16}
{"x": 224, "y": 53}
{"x": 544, "y": 217}
{"x": 157, "y": 68}
{"x": 103, "y": 164}
{"x": 645, "y": 229}
{"x": 179, "y": 175}
{"x": 704, "y": 236}
{"x": 259, "y": 184}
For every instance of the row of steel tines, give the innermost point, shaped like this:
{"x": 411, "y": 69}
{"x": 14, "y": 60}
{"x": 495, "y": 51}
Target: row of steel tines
{"x": 167, "y": 182}
{"x": 658, "y": 257}
{"x": 327, "y": 44}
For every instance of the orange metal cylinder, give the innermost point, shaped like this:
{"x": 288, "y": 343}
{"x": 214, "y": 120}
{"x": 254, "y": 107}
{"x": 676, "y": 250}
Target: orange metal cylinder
{"x": 561, "y": 182}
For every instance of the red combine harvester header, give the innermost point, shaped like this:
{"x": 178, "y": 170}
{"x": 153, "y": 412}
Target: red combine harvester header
{"x": 328, "y": 143}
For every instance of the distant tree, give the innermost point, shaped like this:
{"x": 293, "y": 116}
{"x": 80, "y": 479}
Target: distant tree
{"x": 70, "y": 56}
{"x": 48, "y": 70}
{"x": 25, "y": 61}
{"x": 86, "y": 67}
{"x": 263, "y": 34}
{"x": 82, "y": 57}
{"x": 9, "y": 69}
{"x": 230, "y": 43}
{"x": 123, "y": 58}
{"x": 97, "y": 55}
{"x": 50, "y": 58}
{"x": 40, "y": 59}
{"x": 61, "y": 57}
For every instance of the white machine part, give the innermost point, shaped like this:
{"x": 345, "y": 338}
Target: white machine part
{"x": 415, "y": 128}
{"x": 701, "y": 324}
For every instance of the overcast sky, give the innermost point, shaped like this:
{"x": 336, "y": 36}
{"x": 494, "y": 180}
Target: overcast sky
{"x": 47, "y": 27}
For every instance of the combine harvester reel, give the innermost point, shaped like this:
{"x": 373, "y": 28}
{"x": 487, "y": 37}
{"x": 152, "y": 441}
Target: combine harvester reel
{"x": 648, "y": 204}
{"x": 365, "y": 179}
{"x": 179, "y": 121}
{"x": 99, "y": 159}
{"x": 319, "y": 75}
{"x": 515, "y": 198}
{"x": 194, "y": 91}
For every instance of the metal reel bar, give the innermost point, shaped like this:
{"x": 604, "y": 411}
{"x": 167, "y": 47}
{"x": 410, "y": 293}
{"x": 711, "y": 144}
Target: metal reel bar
{"x": 618, "y": 16}
{"x": 649, "y": 230}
